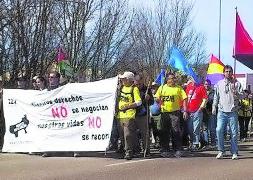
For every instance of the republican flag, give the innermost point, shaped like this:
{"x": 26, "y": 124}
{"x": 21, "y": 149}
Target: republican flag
{"x": 63, "y": 63}
{"x": 243, "y": 48}
{"x": 215, "y": 70}
{"x": 61, "y": 55}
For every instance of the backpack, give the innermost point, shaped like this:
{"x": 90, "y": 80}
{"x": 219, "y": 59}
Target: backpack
{"x": 119, "y": 96}
{"x": 140, "y": 110}
{"x": 131, "y": 92}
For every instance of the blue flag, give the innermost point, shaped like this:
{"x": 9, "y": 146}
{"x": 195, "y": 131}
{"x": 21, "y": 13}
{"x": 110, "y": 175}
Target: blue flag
{"x": 178, "y": 61}
{"x": 161, "y": 77}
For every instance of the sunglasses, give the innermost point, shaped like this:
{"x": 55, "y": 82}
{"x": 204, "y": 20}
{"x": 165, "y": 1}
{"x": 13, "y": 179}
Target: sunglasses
{"x": 51, "y": 77}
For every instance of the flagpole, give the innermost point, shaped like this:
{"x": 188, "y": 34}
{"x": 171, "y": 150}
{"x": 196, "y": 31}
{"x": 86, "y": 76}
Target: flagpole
{"x": 234, "y": 47}
{"x": 220, "y": 30}
{"x": 234, "y": 56}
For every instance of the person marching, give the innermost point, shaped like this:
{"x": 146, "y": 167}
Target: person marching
{"x": 53, "y": 83}
{"x": 209, "y": 120}
{"x": 245, "y": 114}
{"x": 141, "y": 119}
{"x": 197, "y": 99}
{"x": 129, "y": 100}
{"x": 171, "y": 96}
{"x": 228, "y": 91}
{"x": 155, "y": 118}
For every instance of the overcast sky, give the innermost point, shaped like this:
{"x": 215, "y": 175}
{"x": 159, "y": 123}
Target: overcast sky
{"x": 206, "y": 20}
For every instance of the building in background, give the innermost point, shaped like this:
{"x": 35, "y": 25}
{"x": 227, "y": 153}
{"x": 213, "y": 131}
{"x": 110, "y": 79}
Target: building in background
{"x": 246, "y": 80}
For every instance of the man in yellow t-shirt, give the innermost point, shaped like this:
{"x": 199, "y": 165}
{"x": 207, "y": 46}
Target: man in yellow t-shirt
{"x": 129, "y": 99}
{"x": 171, "y": 97}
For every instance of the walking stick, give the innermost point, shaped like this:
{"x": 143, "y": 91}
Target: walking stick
{"x": 147, "y": 122}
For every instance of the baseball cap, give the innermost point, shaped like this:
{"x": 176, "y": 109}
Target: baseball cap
{"x": 127, "y": 75}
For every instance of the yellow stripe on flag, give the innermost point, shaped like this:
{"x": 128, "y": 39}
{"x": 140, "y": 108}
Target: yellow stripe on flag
{"x": 215, "y": 68}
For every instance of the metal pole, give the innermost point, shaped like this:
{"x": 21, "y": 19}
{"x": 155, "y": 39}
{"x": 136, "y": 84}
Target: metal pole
{"x": 220, "y": 30}
{"x": 147, "y": 123}
{"x": 234, "y": 57}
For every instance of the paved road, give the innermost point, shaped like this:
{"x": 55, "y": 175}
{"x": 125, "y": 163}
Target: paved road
{"x": 201, "y": 165}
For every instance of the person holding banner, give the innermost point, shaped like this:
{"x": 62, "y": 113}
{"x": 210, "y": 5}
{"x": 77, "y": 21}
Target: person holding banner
{"x": 129, "y": 100}
{"x": 53, "y": 80}
{"x": 41, "y": 83}
{"x": 171, "y": 96}
{"x": 34, "y": 84}
{"x": 2, "y": 124}
{"x": 53, "y": 83}
{"x": 227, "y": 94}
{"x": 22, "y": 82}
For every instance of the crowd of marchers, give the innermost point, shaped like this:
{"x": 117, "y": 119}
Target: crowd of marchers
{"x": 177, "y": 118}
{"x": 171, "y": 117}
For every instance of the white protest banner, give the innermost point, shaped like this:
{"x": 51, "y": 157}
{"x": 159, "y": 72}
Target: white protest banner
{"x": 74, "y": 117}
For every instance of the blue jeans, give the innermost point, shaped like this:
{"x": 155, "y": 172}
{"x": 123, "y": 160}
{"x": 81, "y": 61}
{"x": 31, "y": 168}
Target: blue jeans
{"x": 194, "y": 122}
{"x": 230, "y": 118}
{"x": 209, "y": 129}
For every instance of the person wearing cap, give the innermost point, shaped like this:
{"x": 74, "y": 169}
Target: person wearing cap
{"x": 129, "y": 99}
{"x": 197, "y": 99}
{"x": 171, "y": 97}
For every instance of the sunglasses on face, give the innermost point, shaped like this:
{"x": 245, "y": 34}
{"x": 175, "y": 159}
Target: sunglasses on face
{"x": 51, "y": 77}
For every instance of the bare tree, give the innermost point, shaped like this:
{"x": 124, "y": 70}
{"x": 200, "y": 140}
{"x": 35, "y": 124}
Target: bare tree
{"x": 101, "y": 37}
{"x": 155, "y": 31}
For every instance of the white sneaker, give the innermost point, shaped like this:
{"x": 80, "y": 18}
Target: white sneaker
{"x": 220, "y": 155}
{"x": 76, "y": 154}
{"x": 234, "y": 157}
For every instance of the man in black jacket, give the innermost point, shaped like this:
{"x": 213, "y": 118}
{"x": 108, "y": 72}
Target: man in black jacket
{"x": 142, "y": 116}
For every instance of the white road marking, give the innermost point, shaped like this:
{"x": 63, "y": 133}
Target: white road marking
{"x": 129, "y": 162}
